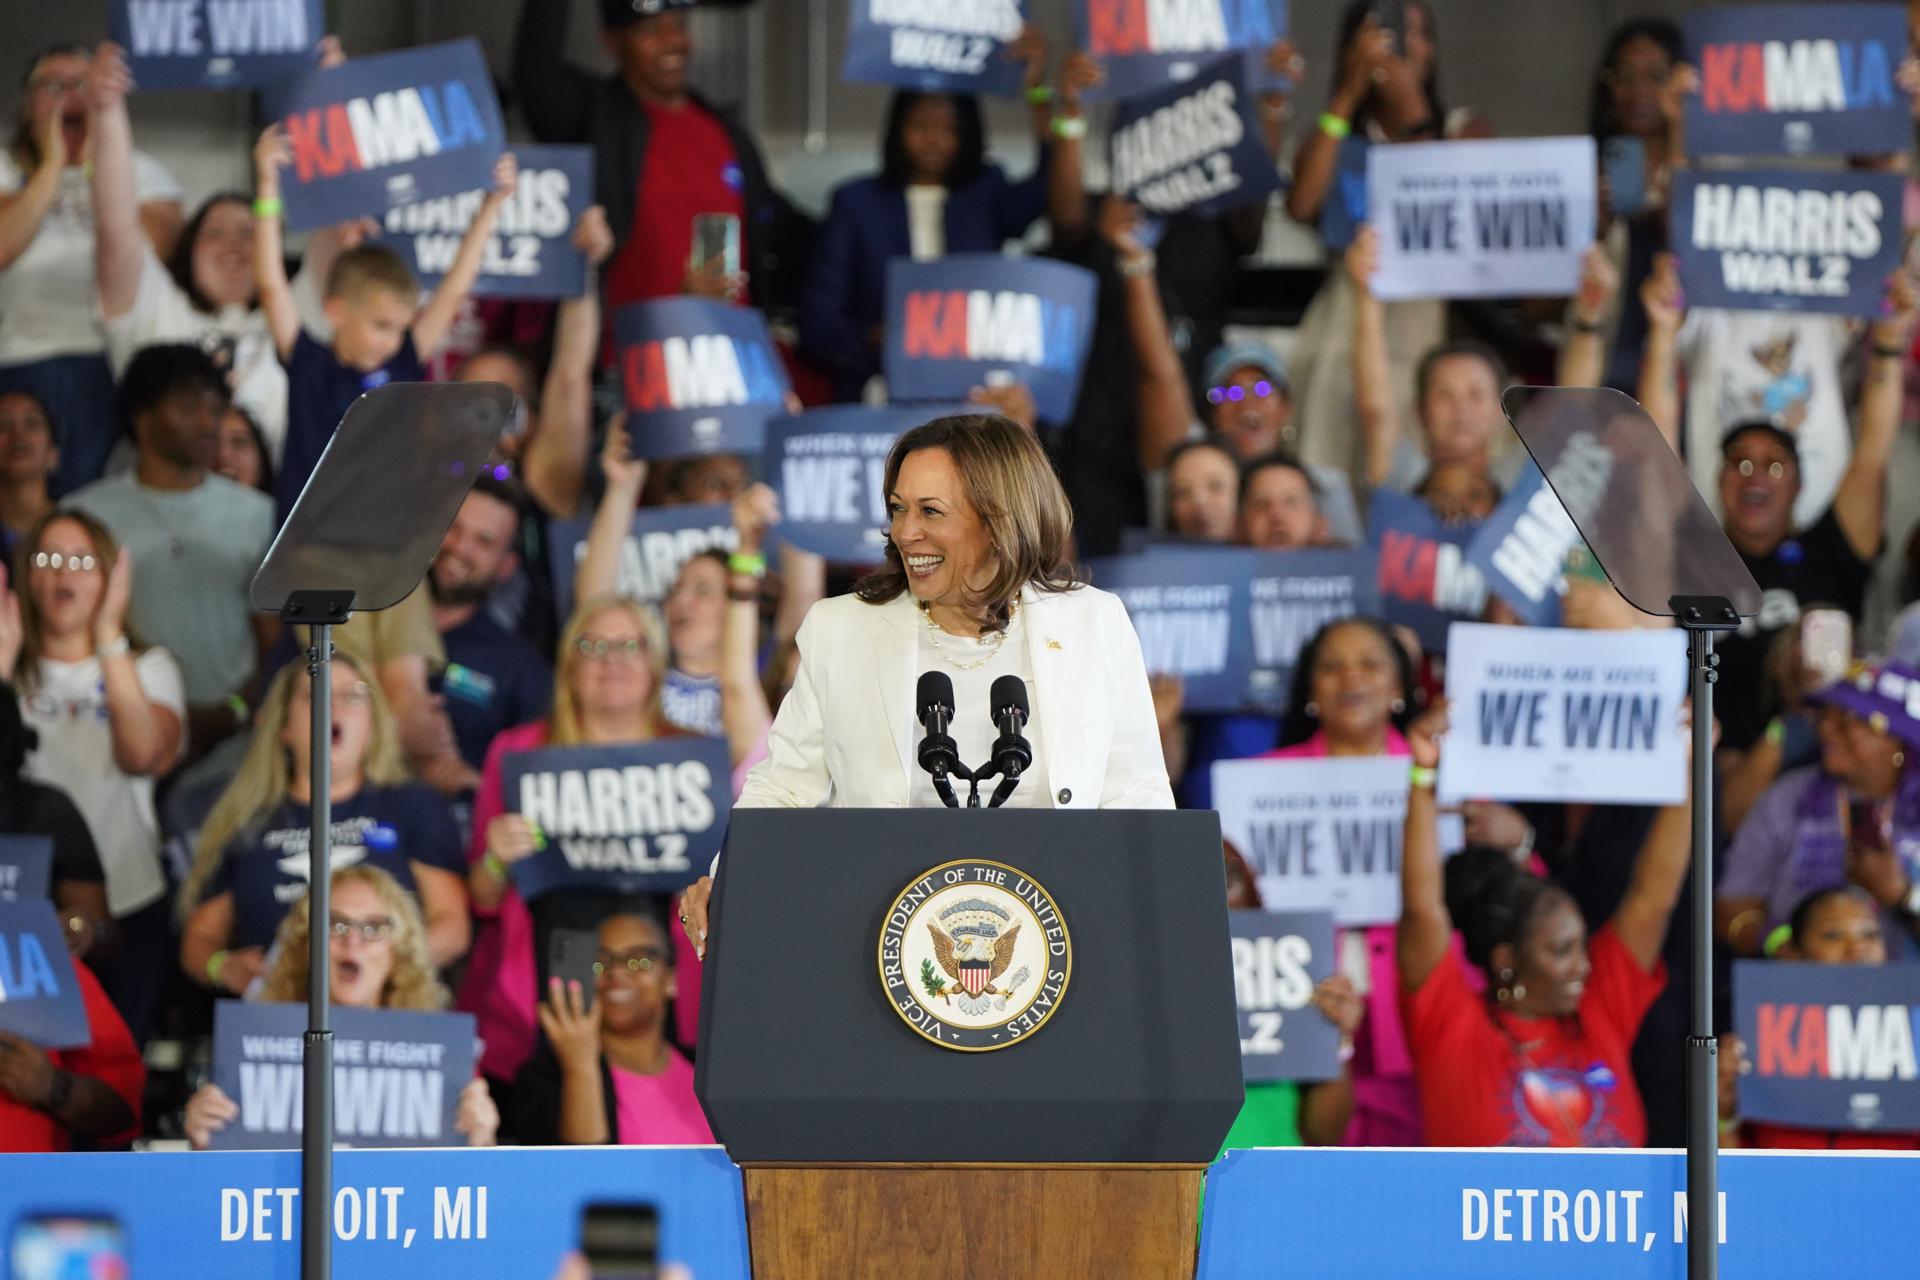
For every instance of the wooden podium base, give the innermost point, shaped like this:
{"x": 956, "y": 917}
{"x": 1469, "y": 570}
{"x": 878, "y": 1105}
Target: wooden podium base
{"x": 942, "y": 1221}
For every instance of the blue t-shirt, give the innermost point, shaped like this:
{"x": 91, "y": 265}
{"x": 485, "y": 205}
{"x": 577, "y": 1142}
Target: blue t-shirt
{"x": 319, "y": 391}
{"x": 493, "y": 680}
{"x": 393, "y": 828}
{"x": 692, "y": 703}
{"x": 1221, "y": 737}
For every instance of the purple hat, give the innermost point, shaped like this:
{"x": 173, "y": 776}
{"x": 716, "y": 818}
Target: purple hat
{"x": 1885, "y": 695}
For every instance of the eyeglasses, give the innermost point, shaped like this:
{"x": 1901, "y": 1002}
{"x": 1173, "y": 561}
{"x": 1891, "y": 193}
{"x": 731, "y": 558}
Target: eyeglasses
{"x": 55, "y": 86}
{"x": 71, "y": 564}
{"x": 1746, "y": 466}
{"x": 641, "y": 961}
{"x": 1221, "y": 395}
{"x": 374, "y": 929}
{"x": 358, "y": 696}
{"x": 602, "y": 650}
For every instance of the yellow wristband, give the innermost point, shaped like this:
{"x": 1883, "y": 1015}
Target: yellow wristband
{"x": 493, "y": 864}
{"x": 1334, "y": 126}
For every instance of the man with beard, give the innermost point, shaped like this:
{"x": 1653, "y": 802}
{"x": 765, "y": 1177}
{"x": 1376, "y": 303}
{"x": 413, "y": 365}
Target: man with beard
{"x": 492, "y": 678}
{"x": 196, "y": 538}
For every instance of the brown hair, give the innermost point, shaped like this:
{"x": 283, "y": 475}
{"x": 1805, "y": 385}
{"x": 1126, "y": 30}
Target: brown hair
{"x": 1011, "y": 485}
{"x": 106, "y": 550}
{"x": 371, "y": 266}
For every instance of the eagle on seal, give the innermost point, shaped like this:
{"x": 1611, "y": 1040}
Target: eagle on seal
{"x": 974, "y": 958}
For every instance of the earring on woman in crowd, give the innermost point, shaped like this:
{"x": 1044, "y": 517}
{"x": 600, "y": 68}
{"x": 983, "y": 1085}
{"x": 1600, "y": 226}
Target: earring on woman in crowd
{"x": 1399, "y": 706}
{"x": 1506, "y": 990}
{"x": 1313, "y": 711}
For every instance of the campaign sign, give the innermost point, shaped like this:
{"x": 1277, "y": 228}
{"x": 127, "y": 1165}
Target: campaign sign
{"x": 1522, "y": 547}
{"x": 1797, "y": 78}
{"x": 388, "y": 130}
{"x": 935, "y": 46}
{"x": 1787, "y": 240}
{"x": 1319, "y": 834}
{"x": 1143, "y": 45}
{"x": 829, "y": 467}
{"x": 1278, "y": 957}
{"x": 1189, "y": 607}
{"x": 980, "y": 319}
{"x": 26, "y": 867}
{"x": 397, "y": 1074}
{"x": 1495, "y": 219}
{"x": 699, "y": 376}
{"x": 1830, "y": 1046}
{"x": 1565, "y": 715}
{"x": 216, "y": 44}
{"x": 646, "y": 817}
{"x": 39, "y": 994}
{"x": 1193, "y": 147}
{"x": 1426, "y": 582}
{"x": 530, "y": 253}
{"x": 660, "y": 541}
{"x": 1291, "y": 595}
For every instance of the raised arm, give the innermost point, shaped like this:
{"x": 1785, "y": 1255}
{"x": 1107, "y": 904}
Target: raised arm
{"x": 1165, "y": 405}
{"x": 554, "y": 464}
{"x": 146, "y": 735}
{"x": 1066, "y": 181}
{"x": 1314, "y": 163}
{"x": 1583, "y": 360}
{"x": 743, "y": 699}
{"x": 1665, "y": 306}
{"x": 431, "y": 326}
{"x": 555, "y": 95}
{"x": 1641, "y": 919}
{"x": 22, "y": 211}
{"x": 1373, "y": 396}
{"x": 119, "y": 243}
{"x": 1426, "y": 930}
{"x": 270, "y": 155}
{"x": 599, "y": 570}
{"x": 1860, "y": 505}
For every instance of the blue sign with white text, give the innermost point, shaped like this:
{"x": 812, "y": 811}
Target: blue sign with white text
{"x": 1426, "y": 582}
{"x": 1143, "y": 45}
{"x": 1189, "y": 607}
{"x": 1193, "y": 147}
{"x": 1278, "y": 958}
{"x": 397, "y": 1074}
{"x": 1292, "y": 595}
{"x": 216, "y": 44}
{"x": 388, "y": 130}
{"x": 935, "y": 46}
{"x": 1521, "y": 549}
{"x": 698, "y": 377}
{"x": 1794, "y": 79}
{"x": 531, "y": 253}
{"x": 1829, "y": 1046}
{"x": 26, "y": 867}
{"x": 980, "y": 319}
{"x": 829, "y": 467}
{"x": 660, "y": 541}
{"x": 1787, "y": 240}
{"x": 39, "y": 995}
{"x": 645, "y": 817}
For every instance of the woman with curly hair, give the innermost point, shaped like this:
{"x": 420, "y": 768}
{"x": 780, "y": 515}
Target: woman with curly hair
{"x": 379, "y": 960}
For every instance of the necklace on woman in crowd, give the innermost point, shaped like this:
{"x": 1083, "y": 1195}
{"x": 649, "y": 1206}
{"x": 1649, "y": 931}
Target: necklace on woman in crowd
{"x": 993, "y": 649}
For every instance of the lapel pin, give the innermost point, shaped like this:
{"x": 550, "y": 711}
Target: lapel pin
{"x": 1052, "y": 643}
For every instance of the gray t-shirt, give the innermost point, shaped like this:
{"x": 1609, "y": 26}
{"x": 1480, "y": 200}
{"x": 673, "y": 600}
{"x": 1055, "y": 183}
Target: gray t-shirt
{"x": 195, "y": 552}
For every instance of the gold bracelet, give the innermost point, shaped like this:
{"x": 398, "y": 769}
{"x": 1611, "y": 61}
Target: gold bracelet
{"x": 1739, "y": 922}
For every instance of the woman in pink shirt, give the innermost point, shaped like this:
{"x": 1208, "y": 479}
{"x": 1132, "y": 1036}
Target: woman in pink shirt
{"x": 1352, "y": 696}
{"x": 605, "y": 1072}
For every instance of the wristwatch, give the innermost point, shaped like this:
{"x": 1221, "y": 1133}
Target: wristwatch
{"x": 58, "y": 1093}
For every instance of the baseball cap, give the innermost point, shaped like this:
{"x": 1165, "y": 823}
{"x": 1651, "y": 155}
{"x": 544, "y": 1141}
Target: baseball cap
{"x": 1884, "y": 694}
{"x": 619, "y": 13}
{"x": 1244, "y": 355}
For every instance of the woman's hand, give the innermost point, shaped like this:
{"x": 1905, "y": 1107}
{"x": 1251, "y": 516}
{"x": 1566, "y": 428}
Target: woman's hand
{"x": 475, "y": 1115}
{"x": 1012, "y": 401}
{"x": 1424, "y": 734}
{"x": 1497, "y": 826}
{"x": 1337, "y": 999}
{"x": 1363, "y": 259}
{"x": 1661, "y": 296}
{"x": 1079, "y": 72}
{"x": 506, "y": 178}
{"x": 1599, "y": 284}
{"x": 1878, "y": 870}
{"x": 1364, "y": 64}
{"x": 1029, "y": 47}
{"x": 710, "y": 280}
{"x": 271, "y": 154}
{"x": 209, "y": 1111}
{"x": 240, "y": 968}
{"x": 755, "y": 510}
{"x": 1681, "y": 81}
{"x": 110, "y": 618}
{"x": 108, "y": 79}
{"x": 1282, "y": 59}
{"x": 25, "y": 1071}
{"x": 624, "y": 472}
{"x": 511, "y": 838}
{"x": 1118, "y": 223}
{"x": 693, "y": 913}
{"x": 1895, "y": 326}
{"x": 593, "y": 237}
{"x": 571, "y": 1027}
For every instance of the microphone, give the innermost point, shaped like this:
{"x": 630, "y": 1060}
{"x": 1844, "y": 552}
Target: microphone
{"x": 1012, "y": 753}
{"x": 939, "y": 755}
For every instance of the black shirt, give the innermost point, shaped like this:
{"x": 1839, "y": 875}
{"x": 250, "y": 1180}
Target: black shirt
{"x": 34, "y": 809}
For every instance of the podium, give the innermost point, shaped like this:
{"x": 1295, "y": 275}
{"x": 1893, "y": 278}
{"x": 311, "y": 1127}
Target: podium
{"x": 983, "y": 1042}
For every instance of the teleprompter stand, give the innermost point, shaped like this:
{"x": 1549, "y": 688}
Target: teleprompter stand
{"x": 361, "y": 536}
{"x": 1647, "y": 526}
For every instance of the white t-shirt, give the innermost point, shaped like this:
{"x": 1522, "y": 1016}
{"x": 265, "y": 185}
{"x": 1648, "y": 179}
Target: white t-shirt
{"x": 47, "y": 303}
{"x": 68, "y": 708}
{"x": 926, "y": 220}
{"x": 1780, "y": 366}
{"x": 162, "y": 313}
{"x": 973, "y": 730}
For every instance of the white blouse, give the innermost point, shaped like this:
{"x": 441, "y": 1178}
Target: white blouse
{"x": 973, "y": 730}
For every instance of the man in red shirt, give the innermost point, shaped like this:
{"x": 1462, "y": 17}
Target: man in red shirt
{"x": 48, "y": 1098}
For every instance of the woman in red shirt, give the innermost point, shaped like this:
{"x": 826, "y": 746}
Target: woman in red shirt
{"x": 1543, "y": 1058}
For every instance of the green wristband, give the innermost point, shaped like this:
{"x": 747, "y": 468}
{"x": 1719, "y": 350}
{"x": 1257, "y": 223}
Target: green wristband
{"x": 1780, "y": 937}
{"x": 267, "y": 207}
{"x": 1040, "y": 95}
{"x": 215, "y": 963}
{"x": 750, "y": 563}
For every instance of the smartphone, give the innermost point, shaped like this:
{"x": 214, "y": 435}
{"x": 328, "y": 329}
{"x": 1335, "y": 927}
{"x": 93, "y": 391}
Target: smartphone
{"x": 1392, "y": 16}
{"x": 621, "y": 1240}
{"x": 570, "y": 957}
{"x": 60, "y": 1246}
{"x": 1623, "y": 159}
{"x": 716, "y": 236}
{"x": 1826, "y": 645}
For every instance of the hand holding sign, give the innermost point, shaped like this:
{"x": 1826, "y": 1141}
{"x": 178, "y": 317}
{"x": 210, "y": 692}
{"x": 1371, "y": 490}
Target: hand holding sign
{"x": 25, "y": 1071}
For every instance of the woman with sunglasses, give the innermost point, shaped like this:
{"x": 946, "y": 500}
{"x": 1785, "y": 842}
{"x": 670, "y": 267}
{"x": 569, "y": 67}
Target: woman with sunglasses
{"x": 606, "y": 691}
{"x": 378, "y": 959}
{"x": 251, "y": 863}
{"x": 605, "y": 1071}
{"x": 109, "y": 718}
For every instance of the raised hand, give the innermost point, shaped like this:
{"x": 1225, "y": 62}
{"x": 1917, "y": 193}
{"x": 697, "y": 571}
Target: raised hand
{"x": 209, "y": 1111}
{"x": 571, "y": 1027}
{"x": 110, "y": 618}
{"x": 755, "y": 510}
{"x": 593, "y": 237}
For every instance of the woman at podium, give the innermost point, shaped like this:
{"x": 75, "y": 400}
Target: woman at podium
{"x": 976, "y": 585}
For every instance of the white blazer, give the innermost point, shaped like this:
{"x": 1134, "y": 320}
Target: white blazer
{"x": 847, "y": 734}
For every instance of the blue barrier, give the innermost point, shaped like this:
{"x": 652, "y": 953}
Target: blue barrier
{"x": 475, "y": 1214}
{"x": 1610, "y": 1215}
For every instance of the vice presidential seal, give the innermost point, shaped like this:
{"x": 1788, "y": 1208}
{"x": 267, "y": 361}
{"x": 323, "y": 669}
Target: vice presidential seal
{"x": 974, "y": 955}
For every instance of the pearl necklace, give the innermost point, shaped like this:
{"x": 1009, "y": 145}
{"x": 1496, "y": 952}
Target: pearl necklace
{"x": 933, "y": 634}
